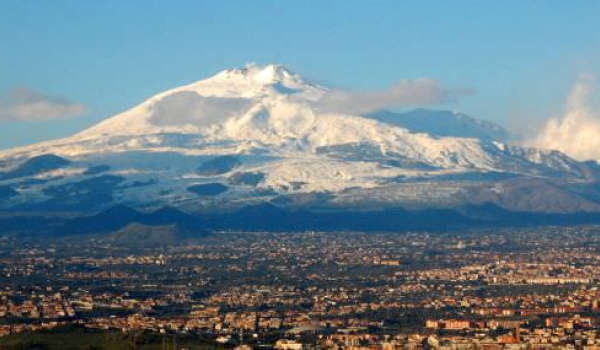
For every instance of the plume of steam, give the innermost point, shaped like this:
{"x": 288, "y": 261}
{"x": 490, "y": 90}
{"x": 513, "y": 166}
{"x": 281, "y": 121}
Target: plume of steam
{"x": 577, "y": 132}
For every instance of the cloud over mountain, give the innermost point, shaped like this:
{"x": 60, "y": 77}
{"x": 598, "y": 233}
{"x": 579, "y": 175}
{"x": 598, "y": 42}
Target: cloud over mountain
{"x": 577, "y": 132}
{"x": 406, "y": 93}
{"x": 188, "y": 107}
{"x": 26, "y": 105}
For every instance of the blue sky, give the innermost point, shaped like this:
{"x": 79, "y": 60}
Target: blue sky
{"x": 521, "y": 58}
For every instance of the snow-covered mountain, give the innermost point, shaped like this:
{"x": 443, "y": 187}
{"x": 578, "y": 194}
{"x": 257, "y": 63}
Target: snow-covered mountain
{"x": 258, "y": 134}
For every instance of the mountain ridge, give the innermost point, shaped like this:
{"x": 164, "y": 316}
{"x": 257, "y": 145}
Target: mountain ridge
{"x": 258, "y": 135}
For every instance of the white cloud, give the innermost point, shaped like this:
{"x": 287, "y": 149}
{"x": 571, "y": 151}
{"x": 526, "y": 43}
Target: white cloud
{"x": 27, "y": 105}
{"x": 407, "y": 93}
{"x": 577, "y": 132}
{"x": 187, "y": 107}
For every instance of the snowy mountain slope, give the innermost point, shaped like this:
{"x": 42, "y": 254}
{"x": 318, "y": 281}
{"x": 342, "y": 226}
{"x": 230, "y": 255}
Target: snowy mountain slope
{"x": 444, "y": 124}
{"x": 269, "y": 120}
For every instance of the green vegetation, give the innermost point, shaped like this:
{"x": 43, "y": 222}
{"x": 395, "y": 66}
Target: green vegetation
{"x": 78, "y": 338}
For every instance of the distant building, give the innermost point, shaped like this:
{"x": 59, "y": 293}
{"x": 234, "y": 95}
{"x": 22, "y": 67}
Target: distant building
{"x": 285, "y": 344}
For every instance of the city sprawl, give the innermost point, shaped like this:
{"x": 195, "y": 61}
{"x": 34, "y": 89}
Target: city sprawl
{"x": 527, "y": 288}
